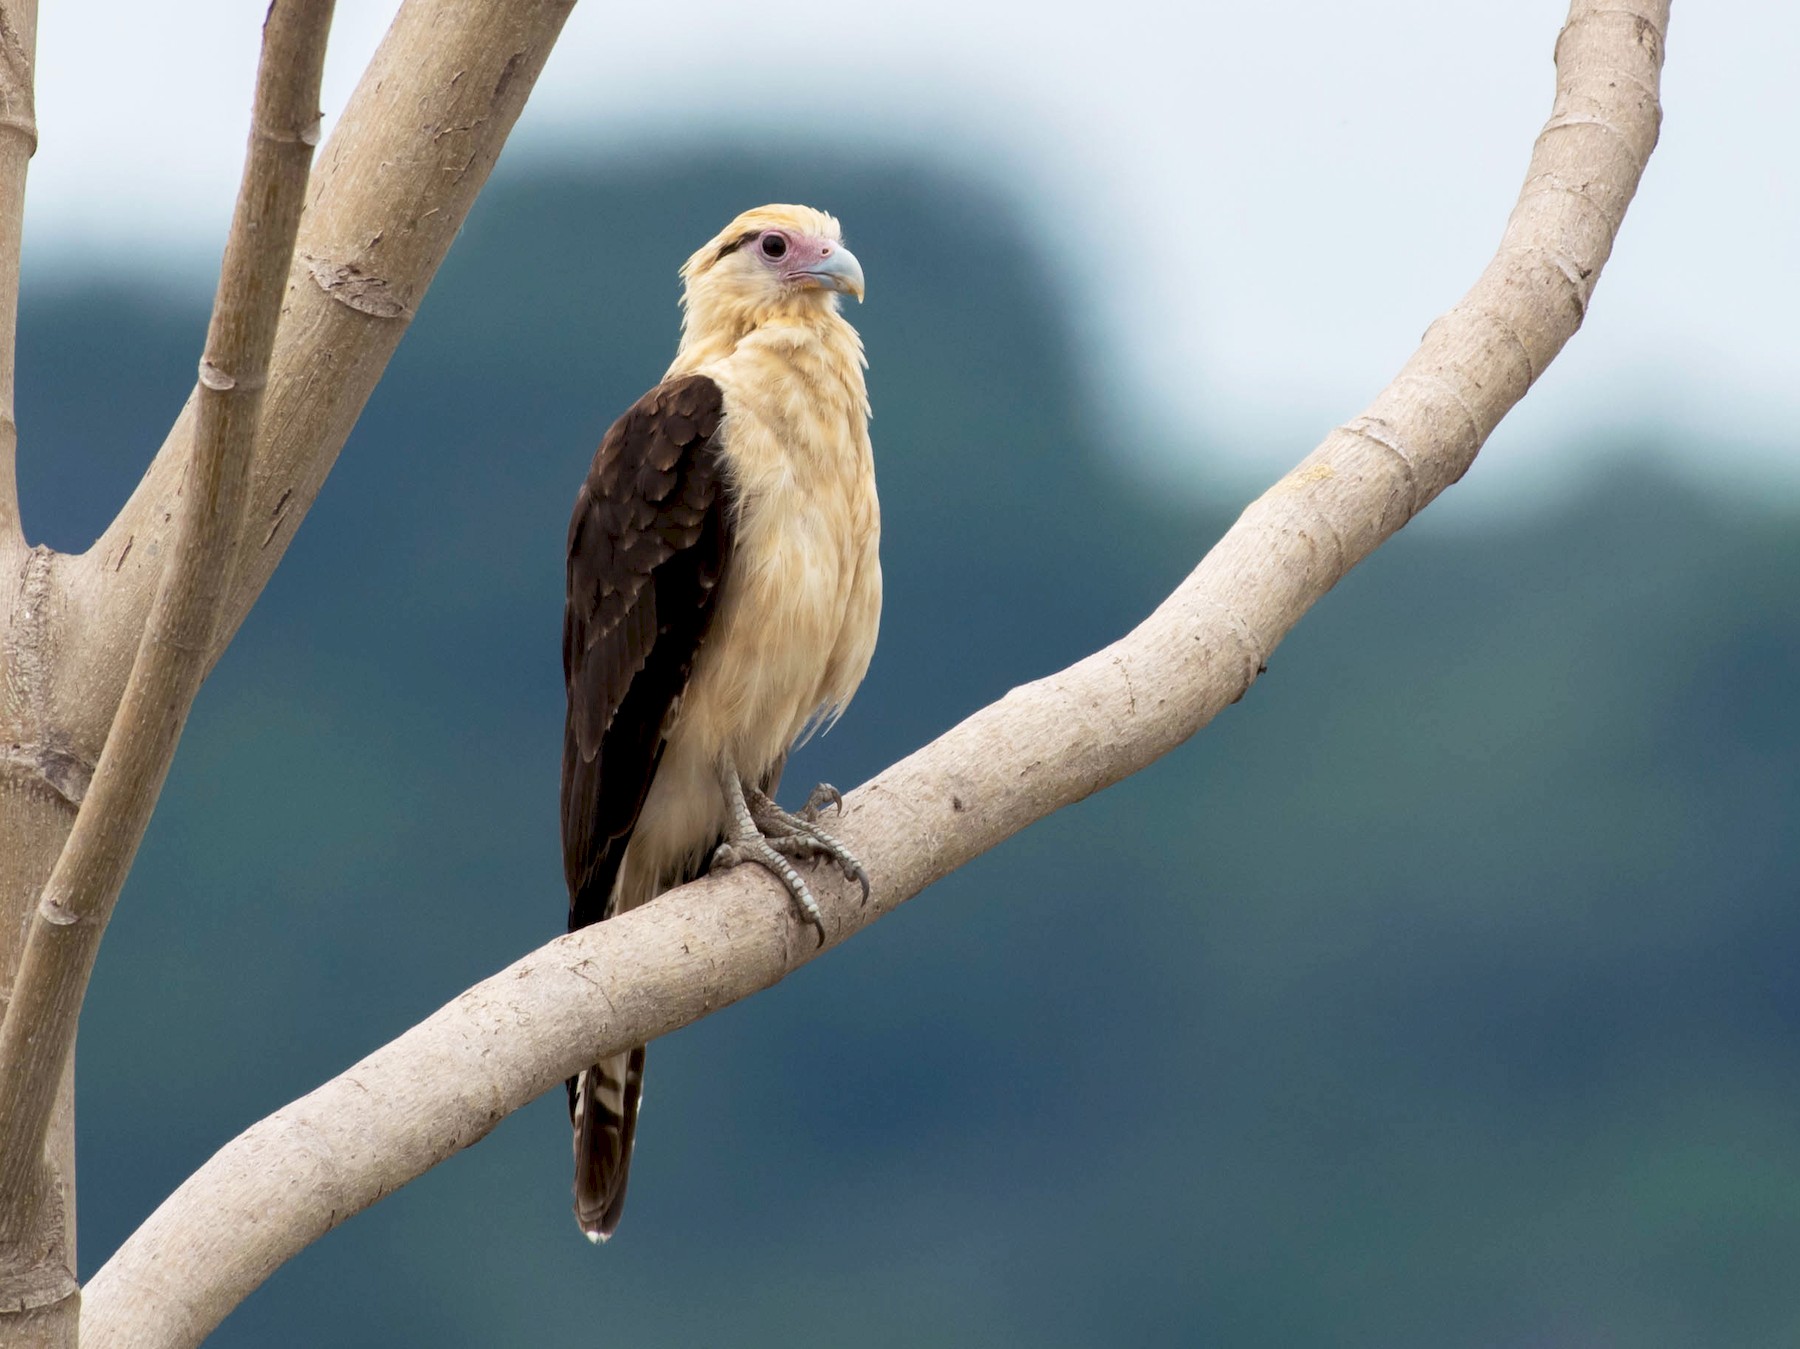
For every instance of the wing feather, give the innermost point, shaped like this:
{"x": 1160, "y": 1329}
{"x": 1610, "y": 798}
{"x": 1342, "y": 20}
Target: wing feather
{"x": 648, "y": 546}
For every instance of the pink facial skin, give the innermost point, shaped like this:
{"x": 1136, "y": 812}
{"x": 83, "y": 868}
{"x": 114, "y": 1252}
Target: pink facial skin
{"x": 809, "y": 261}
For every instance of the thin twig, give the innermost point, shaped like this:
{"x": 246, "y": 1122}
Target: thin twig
{"x": 38, "y": 1034}
{"x": 446, "y": 1082}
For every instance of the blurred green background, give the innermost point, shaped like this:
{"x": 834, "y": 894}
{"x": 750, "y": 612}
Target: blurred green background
{"x": 1439, "y": 994}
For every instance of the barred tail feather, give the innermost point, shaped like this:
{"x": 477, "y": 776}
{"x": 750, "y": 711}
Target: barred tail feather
{"x": 604, "y": 1100}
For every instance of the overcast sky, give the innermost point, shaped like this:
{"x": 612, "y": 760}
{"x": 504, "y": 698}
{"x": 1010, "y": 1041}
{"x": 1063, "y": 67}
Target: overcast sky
{"x": 1262, "y": 206}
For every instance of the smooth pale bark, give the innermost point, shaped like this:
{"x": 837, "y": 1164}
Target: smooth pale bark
{"x": 388, "y": 196}
{"x": 37, "y": 1036}
{"x": 37, "y": 1271}
{"x": 445, "y": 1083}
{"x": 389, "y": 192}
{"x": 18, "y": 140}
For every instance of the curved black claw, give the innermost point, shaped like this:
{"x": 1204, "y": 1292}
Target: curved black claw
{"x": 822, "y": 796}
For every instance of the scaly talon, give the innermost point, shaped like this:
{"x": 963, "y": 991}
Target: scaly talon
{"x": 728, "y": 855}
{"x": 847, "y": 861}
{"x": 761, "y": 831}
{"x": 816, "y": 844}
{"x": 802, "y": 833}
{"x": 823, "y": 795}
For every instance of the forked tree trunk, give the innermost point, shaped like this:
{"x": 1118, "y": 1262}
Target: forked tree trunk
{"x": 412, "y": 150}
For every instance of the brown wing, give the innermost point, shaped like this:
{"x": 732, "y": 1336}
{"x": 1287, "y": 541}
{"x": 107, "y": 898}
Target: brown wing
{"x": 648, "y": 546}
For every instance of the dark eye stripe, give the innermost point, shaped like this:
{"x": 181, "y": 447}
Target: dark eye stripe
{"x": 734, "y": 245}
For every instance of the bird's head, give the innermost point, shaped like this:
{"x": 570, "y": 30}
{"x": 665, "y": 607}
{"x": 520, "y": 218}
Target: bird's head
{"x": 771, "y": 262}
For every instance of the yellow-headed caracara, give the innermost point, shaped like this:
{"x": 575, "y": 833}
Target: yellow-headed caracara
{"x": 724, "y": 592}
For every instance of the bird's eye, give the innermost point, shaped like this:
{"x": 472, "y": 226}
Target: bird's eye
{"x": 774, "y": 246}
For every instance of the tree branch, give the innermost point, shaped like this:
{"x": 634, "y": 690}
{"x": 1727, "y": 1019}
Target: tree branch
{"x": 445, "y": 1083}
{"x": 412, "y": 150}
{"x": 18, "y": 139}
{"x": 38, "y": 1034}
{"x": 391, "y": 189}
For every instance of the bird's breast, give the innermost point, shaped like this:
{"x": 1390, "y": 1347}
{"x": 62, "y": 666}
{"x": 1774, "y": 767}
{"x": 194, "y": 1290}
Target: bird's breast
{"x": 801, "y": 598}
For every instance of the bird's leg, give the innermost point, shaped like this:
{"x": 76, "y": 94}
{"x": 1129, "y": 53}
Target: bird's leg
{"x": 761, "y": 831}
{"x": 746, "y": 841}
{"x": 799, "y": 835}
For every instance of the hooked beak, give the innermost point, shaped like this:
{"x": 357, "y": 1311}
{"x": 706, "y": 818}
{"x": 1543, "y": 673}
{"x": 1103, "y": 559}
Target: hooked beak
{"x": 839, "y": 271}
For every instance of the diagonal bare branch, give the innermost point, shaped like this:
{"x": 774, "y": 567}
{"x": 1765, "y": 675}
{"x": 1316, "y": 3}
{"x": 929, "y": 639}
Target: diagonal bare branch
{"x": 445, "y": 1083}
{"x": 388, "y": 196}
{"x": 38, "y": 1034}
{"x": 391, "y": 189}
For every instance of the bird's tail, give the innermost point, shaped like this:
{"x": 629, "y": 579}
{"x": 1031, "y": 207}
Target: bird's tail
{"x": 603, "y": 1101}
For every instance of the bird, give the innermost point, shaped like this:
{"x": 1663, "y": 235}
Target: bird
{"x": 724, "y": 594}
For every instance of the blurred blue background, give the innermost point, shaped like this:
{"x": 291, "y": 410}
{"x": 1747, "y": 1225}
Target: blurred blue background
{"x": 1439, "y": 994}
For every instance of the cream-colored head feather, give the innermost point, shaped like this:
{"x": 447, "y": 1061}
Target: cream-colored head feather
{"x": 771, "y": 263}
